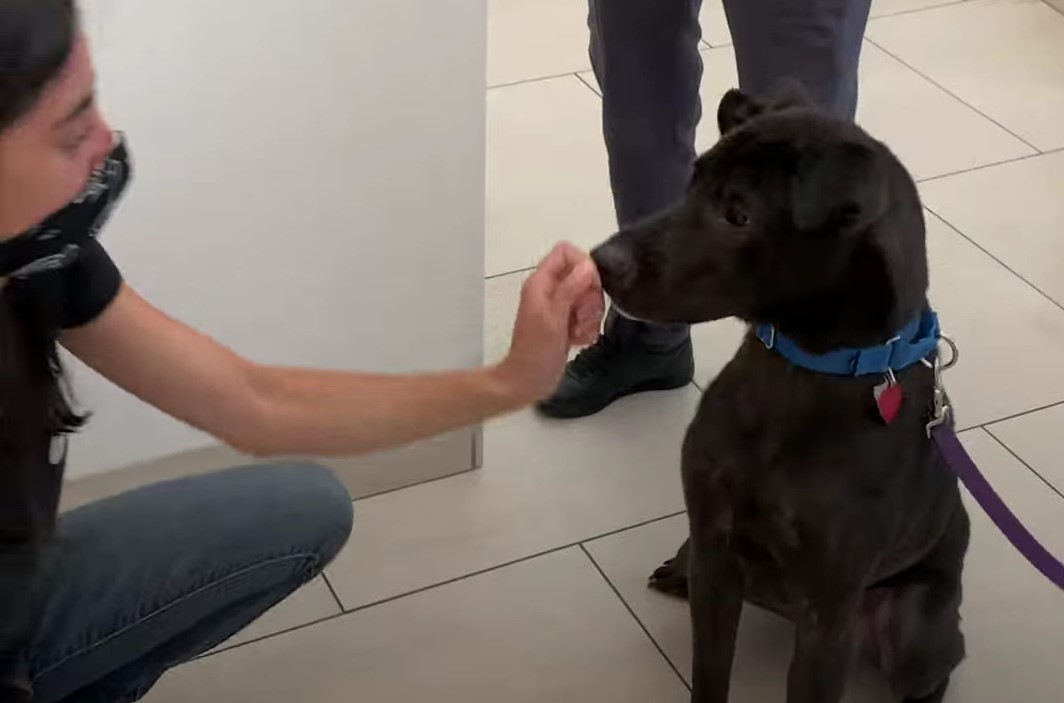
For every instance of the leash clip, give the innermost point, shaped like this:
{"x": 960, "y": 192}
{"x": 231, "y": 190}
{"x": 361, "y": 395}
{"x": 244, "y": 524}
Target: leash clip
{"x": 942, "y": 410}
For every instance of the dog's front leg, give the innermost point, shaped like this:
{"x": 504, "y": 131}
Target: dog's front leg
{"x": 824, "y": 654}
{"x": 715, "y": 592}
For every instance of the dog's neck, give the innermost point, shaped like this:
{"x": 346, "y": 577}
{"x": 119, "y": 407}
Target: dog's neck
{"x": 821, "y": 326}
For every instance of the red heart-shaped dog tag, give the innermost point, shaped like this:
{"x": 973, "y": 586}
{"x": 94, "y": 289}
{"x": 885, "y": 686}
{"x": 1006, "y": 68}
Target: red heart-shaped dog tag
{"x": 888, "y": 400}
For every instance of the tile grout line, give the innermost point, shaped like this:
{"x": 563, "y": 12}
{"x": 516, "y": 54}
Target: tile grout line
{"x": 635, "y": 617}
{"x": 991, "y": 423}
{"x": 222, "y": 649}
{"x": 1003, "y": 162}
{"x": 514, "y": 562}
{"x": 1020, "y": 459}
{"x": 995, "y": 258}
{"x": 344, "y": 612}
{"x": 328, "y": 584}
{"x": 706, "y": 45}
{"x": 590, "y": 87}
{"x": 446, "y": 582}
{"x": 534, "y": 79}
{"x": 986, "y": 427}
{"x": 899, "y": 13}
{"x": 953, "y": 95}
{"x": 916, "y": 10}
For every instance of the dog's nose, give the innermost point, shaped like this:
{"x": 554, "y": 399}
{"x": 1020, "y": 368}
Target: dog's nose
{"x": 616, "y": 265}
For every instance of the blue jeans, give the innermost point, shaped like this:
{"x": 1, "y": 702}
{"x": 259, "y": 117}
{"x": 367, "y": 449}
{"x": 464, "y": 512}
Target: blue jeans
{"x": 646, "y": 57}
{"x": 147, "y": 580}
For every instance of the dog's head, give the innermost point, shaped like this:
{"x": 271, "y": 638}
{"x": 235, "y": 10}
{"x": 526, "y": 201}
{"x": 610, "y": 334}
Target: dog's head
{"x": 794, "y": 219}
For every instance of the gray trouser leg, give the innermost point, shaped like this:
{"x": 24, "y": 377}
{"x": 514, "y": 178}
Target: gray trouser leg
{"x": 816, "y": 42}
{"x": 646, "y": 58}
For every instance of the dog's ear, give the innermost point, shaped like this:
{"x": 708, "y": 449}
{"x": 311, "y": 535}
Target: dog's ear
{"x": 736, "y": 107}
{"x": 839, "y": 188}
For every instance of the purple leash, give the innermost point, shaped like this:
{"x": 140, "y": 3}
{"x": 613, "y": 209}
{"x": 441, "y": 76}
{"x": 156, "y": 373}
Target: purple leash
{"x": 941, "y": 430}
{"x": 965, "y": 469}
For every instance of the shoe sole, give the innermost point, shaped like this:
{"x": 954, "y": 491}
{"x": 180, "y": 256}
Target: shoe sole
{"x": 557, "y": 412}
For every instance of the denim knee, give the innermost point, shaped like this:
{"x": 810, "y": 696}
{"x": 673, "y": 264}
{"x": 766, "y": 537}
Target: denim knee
{"x": 320, "y": 508}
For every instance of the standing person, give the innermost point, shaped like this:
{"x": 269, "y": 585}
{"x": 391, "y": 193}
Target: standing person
{"x": 646, "y": 58}
{"x": 97, "y": 605}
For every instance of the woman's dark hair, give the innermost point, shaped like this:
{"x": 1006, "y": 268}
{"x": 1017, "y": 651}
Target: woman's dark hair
{"x": 36, "y": 37}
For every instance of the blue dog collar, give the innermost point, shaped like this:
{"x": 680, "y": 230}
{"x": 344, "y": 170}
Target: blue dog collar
{"x": 916, "y": 341}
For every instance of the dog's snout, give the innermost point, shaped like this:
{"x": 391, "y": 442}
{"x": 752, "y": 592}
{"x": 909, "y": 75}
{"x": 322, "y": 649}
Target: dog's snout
{"x": 616, "y": 264}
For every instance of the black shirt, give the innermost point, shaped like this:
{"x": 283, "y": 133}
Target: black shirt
{"x": 29, "y": 494}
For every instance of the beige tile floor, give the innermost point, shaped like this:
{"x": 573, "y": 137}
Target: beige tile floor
{"x": 525, "y": 581}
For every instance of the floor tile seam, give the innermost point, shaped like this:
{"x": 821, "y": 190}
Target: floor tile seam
{"x": 635, "y": 616}
{"x": 953, "y": 95}
{"x": 1015, "y": 455}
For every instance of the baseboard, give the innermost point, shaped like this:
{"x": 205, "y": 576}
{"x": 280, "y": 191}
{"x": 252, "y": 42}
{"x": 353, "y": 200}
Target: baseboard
{"x": 442, "y": 456}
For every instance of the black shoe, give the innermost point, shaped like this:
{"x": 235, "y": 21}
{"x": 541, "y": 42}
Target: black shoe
{"x": 613, "y": 368}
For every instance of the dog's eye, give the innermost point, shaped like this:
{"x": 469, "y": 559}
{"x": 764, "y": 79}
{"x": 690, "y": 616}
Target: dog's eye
{"x": 736, "y": 216}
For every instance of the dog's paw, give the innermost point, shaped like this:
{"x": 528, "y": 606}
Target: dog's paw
{"x": 670, "y": 578}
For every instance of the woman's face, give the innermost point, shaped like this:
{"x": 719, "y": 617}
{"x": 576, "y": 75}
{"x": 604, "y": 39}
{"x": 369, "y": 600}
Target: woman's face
{"x": 48, "y": 155}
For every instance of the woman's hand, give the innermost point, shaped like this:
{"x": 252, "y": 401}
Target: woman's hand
{"x": 561, "y": 307}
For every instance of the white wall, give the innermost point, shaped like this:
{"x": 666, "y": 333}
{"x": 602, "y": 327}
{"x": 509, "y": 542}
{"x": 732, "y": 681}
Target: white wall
{"x": 308, "y": 186}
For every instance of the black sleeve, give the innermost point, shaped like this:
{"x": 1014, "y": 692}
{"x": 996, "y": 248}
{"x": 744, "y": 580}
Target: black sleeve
{"x": 90, "y": 284}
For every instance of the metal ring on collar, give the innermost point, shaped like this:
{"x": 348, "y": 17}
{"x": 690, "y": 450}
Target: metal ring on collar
{"x": 955, "y": 354}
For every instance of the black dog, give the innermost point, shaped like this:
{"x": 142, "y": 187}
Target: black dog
{"x": 801, "y": 497}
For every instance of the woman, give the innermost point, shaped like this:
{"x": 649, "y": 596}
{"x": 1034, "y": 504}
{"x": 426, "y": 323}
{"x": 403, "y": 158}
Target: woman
{"x": 97, "y": 605}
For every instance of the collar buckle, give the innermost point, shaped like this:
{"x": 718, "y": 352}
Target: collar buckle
{"x": 770, "y": 332}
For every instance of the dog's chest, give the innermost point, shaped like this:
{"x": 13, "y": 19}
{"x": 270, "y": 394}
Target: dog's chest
{"x": 764, "y": 538}
{"x": 782, "y": 511}
{"x": 785, "y": 537}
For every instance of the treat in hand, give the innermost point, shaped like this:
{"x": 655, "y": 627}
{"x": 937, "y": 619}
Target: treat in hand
{"x": 561, "y": 307}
